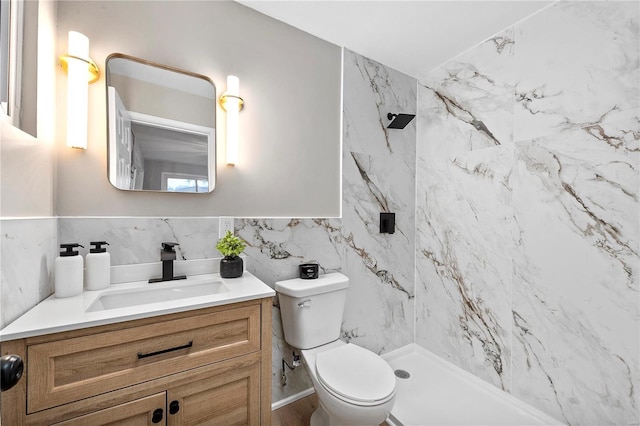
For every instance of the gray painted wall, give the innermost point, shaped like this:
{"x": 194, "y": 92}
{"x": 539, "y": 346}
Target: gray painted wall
{"x": 291, "y": 83}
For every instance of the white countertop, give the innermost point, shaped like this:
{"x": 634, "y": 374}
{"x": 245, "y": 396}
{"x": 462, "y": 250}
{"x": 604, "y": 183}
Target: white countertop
{"x": 54, "y": 315}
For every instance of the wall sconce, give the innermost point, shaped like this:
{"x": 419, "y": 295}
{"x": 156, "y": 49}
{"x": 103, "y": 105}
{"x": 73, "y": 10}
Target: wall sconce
{"x": 81, "y": 71}
{"x": 232, "y": 103}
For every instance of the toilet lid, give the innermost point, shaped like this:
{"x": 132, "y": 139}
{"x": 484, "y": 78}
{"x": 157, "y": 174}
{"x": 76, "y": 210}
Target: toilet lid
{"x": 355, "y": 374}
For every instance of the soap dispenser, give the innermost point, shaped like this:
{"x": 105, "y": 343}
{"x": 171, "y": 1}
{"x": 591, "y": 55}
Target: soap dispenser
{"x": 68, "y": 271}
{"x": 98, "y": 272}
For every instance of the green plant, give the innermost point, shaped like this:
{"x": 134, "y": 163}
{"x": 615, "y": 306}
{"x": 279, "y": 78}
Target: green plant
{"x": 230, "y": 245}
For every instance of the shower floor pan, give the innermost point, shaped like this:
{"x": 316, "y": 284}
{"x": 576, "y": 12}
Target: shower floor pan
{"x": 440, "y": 393}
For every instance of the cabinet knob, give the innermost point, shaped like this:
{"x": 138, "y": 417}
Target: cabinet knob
{"x": 174, "y": 407}
{"x": 157, "y": 416}
{"x": 11, "y": 368}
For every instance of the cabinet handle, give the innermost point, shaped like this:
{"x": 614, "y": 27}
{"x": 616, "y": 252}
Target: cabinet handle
{"x": 174, "y": 407}
{"x": 164, "y": 351}
{"x": 11, "y": 368}
{"x": 157, "y": 416}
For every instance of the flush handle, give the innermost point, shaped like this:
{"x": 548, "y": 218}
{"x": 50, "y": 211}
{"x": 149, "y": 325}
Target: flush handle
{"x": 305, "y": 304}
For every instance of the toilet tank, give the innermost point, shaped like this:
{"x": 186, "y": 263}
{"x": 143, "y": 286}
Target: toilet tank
{"x": 312, "y": 309}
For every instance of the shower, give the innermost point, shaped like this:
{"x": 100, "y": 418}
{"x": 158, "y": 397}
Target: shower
{"x": 399, "y": 121}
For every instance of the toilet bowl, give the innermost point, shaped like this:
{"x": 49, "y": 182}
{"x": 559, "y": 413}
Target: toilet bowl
{"x": 354, "y": 385}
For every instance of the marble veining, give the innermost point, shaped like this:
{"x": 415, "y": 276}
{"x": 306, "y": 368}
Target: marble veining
{"x": 138, "y": 240}
{"x": 460, "y": 113}
{"x": 590, "y": 74}
{"x": 371, "y": 91}
{"x": 584, "y": 286}
{"x": 476, "y": 90}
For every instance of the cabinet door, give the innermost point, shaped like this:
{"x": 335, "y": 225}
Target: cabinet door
{"x": 142, "y": 412}
{"x": 214, "y": 398}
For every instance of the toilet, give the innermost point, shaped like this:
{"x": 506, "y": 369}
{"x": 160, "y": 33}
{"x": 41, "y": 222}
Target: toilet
{"x": 354, "y": 385}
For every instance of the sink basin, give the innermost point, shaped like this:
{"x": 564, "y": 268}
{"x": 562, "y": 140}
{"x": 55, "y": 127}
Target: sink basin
{"x": 155, "y": 293}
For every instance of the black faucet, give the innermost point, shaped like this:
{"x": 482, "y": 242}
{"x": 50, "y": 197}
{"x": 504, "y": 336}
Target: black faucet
{"x": 167, "y": 256}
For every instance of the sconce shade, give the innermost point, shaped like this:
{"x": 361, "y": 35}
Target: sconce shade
{"x": 81, "y": 70}
{"x": 78, "y": 54}
{"x": 232, "y": 103}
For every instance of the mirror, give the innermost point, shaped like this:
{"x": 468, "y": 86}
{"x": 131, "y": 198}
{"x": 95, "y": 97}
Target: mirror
{"x": 161, "y": 127}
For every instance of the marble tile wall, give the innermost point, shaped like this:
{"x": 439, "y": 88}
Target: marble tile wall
{"x": 378, "y": 176}
{"x": 527, "y": 214}
{"x": 27, "y": 248}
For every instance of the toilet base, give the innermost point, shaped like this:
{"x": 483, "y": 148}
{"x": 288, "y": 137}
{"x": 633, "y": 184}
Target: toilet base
{"x": 319, "y": 417}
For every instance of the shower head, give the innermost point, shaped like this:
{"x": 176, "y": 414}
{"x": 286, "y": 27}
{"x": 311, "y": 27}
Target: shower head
{"x": 400, "y": 121}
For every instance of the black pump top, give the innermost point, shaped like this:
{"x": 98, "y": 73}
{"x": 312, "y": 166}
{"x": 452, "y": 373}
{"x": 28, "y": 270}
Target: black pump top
{"x": 169, "y": 247}
{"x": 98, "y": 247}
{"x": 69, "y": 249}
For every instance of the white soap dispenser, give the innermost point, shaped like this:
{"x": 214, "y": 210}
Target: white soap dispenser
{"x": 68, "y": 271}
{"x": 98, "y": 272}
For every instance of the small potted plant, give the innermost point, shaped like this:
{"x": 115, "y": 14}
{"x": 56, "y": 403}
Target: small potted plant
{"x": 230, "y": 246}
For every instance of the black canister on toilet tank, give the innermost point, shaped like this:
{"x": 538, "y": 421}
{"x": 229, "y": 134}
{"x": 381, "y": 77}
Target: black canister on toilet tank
{"x": 308, "y": 271}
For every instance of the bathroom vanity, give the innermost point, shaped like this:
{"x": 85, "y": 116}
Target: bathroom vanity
{"x": 171, "y": 362}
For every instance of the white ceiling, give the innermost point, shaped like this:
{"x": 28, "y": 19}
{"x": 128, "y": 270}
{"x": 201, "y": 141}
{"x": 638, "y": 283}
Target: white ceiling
{"x": 411, "y": 36}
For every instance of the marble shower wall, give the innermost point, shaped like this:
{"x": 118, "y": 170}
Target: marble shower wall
{"x": 527, "y": 211}
{"x": 378, "y": 176}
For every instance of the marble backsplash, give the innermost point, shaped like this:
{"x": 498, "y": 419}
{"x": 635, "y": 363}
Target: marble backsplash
{"x": 527, "y": 211}
{"x": 138, "y": 239}
{"x": 27, "y": 252}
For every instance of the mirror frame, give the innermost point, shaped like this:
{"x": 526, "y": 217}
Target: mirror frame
{"x": 212, "y": 150}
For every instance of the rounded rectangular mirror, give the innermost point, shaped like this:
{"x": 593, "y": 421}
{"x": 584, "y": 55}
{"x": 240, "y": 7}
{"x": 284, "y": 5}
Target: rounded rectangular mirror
{"x": 161, "y": 127}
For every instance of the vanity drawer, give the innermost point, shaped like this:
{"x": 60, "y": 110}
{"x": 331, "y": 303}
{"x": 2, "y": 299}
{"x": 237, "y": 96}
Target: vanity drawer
{"x": 67, "y": 370}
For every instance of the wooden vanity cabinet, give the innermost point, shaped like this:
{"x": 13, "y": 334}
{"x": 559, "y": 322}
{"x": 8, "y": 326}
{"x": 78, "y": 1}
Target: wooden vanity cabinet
{"x": 210, "y": 366}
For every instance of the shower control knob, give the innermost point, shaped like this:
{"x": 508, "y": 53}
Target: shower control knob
{"x": 11, "y": 368}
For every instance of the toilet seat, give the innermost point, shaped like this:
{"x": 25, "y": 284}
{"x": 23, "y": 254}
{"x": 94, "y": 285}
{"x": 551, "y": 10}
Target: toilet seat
{"x": 355, "y": 375}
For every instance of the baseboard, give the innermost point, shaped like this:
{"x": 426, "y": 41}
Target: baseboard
{"x": 293, "y": 398}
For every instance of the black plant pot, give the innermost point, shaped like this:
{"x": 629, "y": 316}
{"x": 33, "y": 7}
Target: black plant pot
{"x": 231, "y": 267}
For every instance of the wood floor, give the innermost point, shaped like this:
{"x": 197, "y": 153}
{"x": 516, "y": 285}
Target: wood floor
{"x": 297, "y": 413}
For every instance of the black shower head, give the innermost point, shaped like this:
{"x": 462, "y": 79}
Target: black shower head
{"x": 400, "y": 121}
